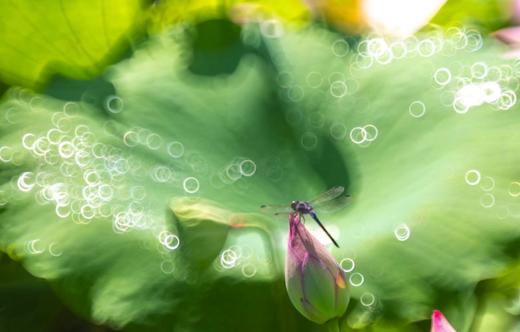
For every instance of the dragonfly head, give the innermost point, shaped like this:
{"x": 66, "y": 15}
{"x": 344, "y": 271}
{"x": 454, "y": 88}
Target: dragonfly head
{"x": 300, "y": 206}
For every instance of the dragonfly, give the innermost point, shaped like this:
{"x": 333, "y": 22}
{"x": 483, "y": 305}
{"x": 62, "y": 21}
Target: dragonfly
{"x": 307, "y": 207}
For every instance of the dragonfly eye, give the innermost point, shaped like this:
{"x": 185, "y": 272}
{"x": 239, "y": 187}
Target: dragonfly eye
{"x": 294, "y": 204}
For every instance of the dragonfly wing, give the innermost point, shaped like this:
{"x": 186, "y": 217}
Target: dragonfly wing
{"x": 275, "y": 209}
{"x": 328, "y": 195}
{"x": 334, "y": 205}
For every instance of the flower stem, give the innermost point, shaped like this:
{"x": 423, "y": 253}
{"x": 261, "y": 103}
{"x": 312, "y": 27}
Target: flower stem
{"x": 333, "y": 325}
{"x": 267, "y": 235}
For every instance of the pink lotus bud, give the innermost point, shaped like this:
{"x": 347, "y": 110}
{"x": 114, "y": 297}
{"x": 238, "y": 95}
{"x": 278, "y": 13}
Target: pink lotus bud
{"x": 509, "y": 36}
{"x": 516, "y": 11}
{"x": 315, "y": 283}
{"x": 440, "y": 323}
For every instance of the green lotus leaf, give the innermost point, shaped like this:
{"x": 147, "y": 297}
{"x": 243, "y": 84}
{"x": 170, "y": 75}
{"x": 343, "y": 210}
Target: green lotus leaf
{"x": 86, "y": 184}
{"x": 168, "y": 12}
{"x": 486, "y": 15}
{"x": 74, "y": 39}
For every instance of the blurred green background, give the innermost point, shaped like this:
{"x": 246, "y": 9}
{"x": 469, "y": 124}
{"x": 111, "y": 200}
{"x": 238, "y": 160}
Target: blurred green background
{"x": 138, "y": 140}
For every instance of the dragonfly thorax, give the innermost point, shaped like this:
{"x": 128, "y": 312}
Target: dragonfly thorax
{"x": 305, "y": 207}
{"x": 301, "y": 207}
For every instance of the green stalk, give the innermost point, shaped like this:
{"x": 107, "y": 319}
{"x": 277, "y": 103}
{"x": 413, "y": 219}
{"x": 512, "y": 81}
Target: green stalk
{"x": 278, "y": 288}
{"x": 267, "y": 236}
{"x": 333, "y": 325}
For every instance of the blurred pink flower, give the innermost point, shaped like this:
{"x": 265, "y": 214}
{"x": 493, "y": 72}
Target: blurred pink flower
{"x": 440, "y": 323}
{"x": 511, "y": 36}
{"x": 315, "y": 283}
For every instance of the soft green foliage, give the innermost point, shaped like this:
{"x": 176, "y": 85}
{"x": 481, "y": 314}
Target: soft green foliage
{"x": 75, "y": 39}
{"x": 486, "y": 15}
{"x": 168, "y": 12}
{"x": 260, "y": 104}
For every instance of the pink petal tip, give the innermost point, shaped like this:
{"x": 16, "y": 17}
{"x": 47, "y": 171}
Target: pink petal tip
{"x": 440, "y": 323}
